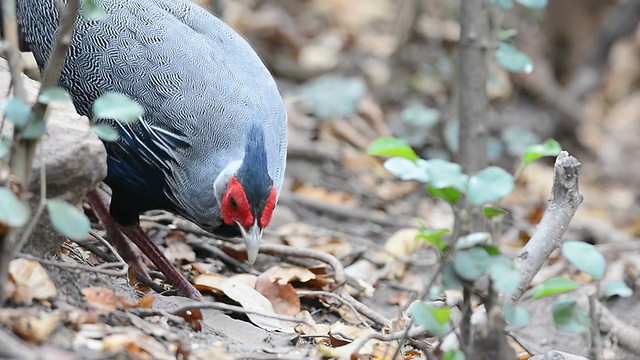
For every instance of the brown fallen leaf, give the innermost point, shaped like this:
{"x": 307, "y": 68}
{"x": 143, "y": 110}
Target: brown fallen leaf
{"x": 30, "y": 274}
{"x": 101, "y": 298}
{"x": 36, "y": 328}
{"x": 283, "y": 297}
{"x": 210, "y": 282}
{"x": 325, "y": 195}
{"x": 177, "y": 248}
{"x": 286, "y": 274}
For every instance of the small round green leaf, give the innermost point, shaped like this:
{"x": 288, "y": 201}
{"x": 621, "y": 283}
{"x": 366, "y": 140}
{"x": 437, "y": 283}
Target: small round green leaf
{"x": 421, "y": 116}
{"x": 471, "y": 264}
{"x": 54, "y": 94}
{"x": 13, "y": 211}
{"x": 516, "y": 316}
{"x": 490, "y": 184}
{"x": 390, "y": 146}
{"x": 92, "y": 11}
{"x": 451, "y": 135}
{"x": 113, "y": 105}
{"x": 449, "y": 194}
{"x": 504, "y": 274}
{"x": 105, "y": 132}
{"x": 533, "y": 4}
{"x": 585, "y": 257}
{"x": 433, "y": 237}
{"x": 16, "y": 111}
{"x": 435, "y": 320}
{"x": 553, "y": 286}
{"x": 547, "y": 148}
{"x": 450, "y": 279}
{"x": 68, "y": 220}
{"x": 446, "y": 174}
{"x": 472, "y": 240}
{"x": 331, "y": 96}
{"x": 454, "y": 355}
{"x": 618, "y": 288}
{"x": 568, "y": 317}
{"x": 490, "y": 211}
{"x": 503, "y": 4}
{"x": 406, "y": 169}
{"x": 513, "y": 60}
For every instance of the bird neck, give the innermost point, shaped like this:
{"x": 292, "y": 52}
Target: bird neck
{"x": 38, "y": 21}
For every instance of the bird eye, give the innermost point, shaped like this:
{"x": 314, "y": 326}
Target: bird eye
{"x": 234, "y": 204}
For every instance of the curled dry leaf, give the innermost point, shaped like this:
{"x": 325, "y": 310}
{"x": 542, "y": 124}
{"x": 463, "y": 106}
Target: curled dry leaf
{"x": 283, "y": 297}
{"x": 137, "y": 344}
{"x": 177, "y": 248}
{"x": 287, "y": 274}
{"x": 33, "y": 278}
{"x": 251, "y": 299}
{"x": 210, "y": 282}
{"x": 304, "y": 328}
{"x": 35, "y": 328}
{"x": 105, "y": 299}
{"x": 247, "y": 279}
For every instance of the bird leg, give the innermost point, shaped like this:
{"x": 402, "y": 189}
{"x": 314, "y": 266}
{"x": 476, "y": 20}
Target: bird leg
{"x": 114, "y": 235}
{"x": 142, "y": 241}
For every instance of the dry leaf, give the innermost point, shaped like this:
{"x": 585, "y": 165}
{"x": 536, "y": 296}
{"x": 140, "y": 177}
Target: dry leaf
{"x": 403, "y": 243}
{"x": 101, "y": 298}
{"x": 34, "y": 328}
{"x": 30, "y": 274}
{"x": 287, "y": 274}
{"x": 325, "y": 195}
{"x": 251, "y": 299}
{"x": 209, "y": 282}
{"x": 247, "y": 279}
{"x": 284, "y": 298}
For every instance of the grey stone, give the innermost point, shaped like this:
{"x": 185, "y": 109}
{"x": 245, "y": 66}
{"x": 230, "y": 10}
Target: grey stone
{"x": 74, "y": 158}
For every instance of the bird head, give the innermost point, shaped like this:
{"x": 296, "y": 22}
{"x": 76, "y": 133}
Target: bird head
{"x": 250, "y": 209}
{"x": 246, "y": 192}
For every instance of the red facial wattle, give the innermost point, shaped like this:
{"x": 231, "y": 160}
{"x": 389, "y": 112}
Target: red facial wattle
{"x": 268, "y": 209}
{"x": 235, "y": 207}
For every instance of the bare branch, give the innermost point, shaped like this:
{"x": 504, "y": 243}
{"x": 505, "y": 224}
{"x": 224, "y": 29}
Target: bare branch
{"x": 565, "y": 199}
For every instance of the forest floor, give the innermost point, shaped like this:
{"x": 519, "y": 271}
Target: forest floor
{"x": 340, "y": 201}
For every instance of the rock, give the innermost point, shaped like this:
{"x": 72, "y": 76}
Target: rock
{"x": 74, "y": 158}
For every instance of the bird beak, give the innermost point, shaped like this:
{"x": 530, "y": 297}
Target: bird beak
{"x": 252, "y": 237}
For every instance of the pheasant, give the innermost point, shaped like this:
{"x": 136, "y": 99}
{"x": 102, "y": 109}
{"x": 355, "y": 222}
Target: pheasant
{"x": 211, "y": 144}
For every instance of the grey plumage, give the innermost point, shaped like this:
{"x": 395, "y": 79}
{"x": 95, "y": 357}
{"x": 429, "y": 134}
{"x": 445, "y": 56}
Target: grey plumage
{"x": 201, "y": 85}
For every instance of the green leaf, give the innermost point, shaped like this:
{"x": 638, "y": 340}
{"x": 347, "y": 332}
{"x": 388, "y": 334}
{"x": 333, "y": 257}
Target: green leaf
{"x": 433, "y": 237}
{"x": 533, "y": 4}
{"x": 449, "y": 195}
{"x": 5, "y": 145}
{"x": 585, "y": 257}
{"x": 569, "y": 317}
{"x": 454, "y": 355}
{"x": 513, "y": 60}
{"x": 406, "y": 169}
{"x": 450, "y": 279}
{"x": 490, "y": 184}
{"x": 331, "y": 96}
{"x": 472, "y": 240}
{"x": 434, "y": 292}
{"x": 92, "y": 11}
{"x": 506, "y": 34}
{"x": 390, "y": 146}
{"x": 492, "y": 250}
{"x": 35, "y": 128}
{"x": 446, "y": 174}
{"x": 54, "y": 94}
{"x": 618, "y": 288}
{"x": 16, "y": 111}
{"x": 113, "y": 105}
{"x": 13, "y": 211}
{"x": 68, "y": 220}
{"x": 518, "y": 139}
{"x": 435, "y": 320}
{"x": 451, "y": 135}
{"x": 516, "y": 316}
{"x": 421, "y": 116}
{"x": 105, "y": 132}
{"x": 547, "y": 148}
{"x": 471, "y": 264}
{"x": 553, "y": 286}
{"x": 490, "y": 211}
{"x": 503, "y": 4}
{"x": 504, "y": 274}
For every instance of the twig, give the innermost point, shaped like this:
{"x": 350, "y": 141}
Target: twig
{"x": 627, "y": 335}
{"x": 41, "y": 204}
{"x": 596, "y": 343}
{"x": 398, "y": 335}
{"x": 340, "y": 276}
{"x": 229, "y": 260}
{"x": 565, "y": 199}
{"x": 118, "y": 273}
{"x": 225, "y": 307}
{"x": 316, "y": 293}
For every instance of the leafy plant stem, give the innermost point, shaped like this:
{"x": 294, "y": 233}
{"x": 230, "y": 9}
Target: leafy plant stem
{"x": 41, "y": 205}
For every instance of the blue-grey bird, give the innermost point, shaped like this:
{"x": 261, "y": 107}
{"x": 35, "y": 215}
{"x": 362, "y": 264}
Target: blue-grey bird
{"x": 211, "y": 145}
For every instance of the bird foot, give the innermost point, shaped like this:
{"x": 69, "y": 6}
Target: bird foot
{"x": 116, "y": 235}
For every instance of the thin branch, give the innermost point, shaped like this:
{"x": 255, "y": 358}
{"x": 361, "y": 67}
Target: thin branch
{"x": 316, "y": 293}
{"x": 79, "y": 267}
{"x": 565, "y": 199}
